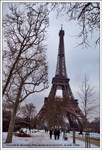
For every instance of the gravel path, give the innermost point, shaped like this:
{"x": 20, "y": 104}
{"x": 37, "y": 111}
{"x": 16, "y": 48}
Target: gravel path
{"x": 92, "y": 141}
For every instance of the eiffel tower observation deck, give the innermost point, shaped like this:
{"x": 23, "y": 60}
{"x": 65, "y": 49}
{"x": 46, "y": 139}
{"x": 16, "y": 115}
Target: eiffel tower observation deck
{"x": 61, "y": 81}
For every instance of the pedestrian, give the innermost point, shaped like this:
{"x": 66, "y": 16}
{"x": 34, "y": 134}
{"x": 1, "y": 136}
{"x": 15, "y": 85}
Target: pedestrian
{"x": 58, "y": 134}
{"x": 55, "y": 133}
{"x": 51, "y": 134}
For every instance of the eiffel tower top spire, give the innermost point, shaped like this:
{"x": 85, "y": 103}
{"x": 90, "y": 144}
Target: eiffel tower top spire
{"x": 61, "y": 26}
{"x": 61, "y": 67}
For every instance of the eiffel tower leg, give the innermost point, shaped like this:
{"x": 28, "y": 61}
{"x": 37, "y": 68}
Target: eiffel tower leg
{"x": 67, "y": 91}
{"x": 70, "y": 120}
{"x": 53, "y": 90}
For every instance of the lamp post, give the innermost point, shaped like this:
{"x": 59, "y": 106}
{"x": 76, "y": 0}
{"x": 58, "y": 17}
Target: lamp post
{"x": 73, "y": 130}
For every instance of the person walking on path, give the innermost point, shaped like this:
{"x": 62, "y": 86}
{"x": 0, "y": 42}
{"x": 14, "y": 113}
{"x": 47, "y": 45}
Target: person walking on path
{"x": 55, "y": 133}
{"x": 51, "y": 134}
{"x": 58, "y": 134}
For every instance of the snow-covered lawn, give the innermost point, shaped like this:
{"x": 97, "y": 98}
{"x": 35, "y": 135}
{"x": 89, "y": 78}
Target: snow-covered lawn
{"x": 92, "y": 135}
{"x": 41, "y": 139}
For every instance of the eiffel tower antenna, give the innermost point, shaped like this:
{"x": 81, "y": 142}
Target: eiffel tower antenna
{"x": 61, "y": 26}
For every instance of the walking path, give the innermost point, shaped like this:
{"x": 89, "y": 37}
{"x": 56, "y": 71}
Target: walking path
{"x": 92, "y": 141}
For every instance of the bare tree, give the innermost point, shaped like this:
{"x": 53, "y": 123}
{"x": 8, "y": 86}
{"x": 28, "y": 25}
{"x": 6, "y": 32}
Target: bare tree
{"x": 23, "y": 31}
{"x": 88, "y": 100}
{"x": 89, "y": 105}
{"x": 24, "y": 59}
{"x": 87, "y": 15}
{"x": 28, "y": 111}
{"x": 55, "y": 112}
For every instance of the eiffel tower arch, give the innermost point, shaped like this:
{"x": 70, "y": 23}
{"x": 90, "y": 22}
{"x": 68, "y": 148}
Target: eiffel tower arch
{"x": 67, "y": 102}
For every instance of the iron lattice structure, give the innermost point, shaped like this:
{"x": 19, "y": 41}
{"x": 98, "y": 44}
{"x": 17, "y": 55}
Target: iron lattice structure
{"x": 61, "y": 81}
{"x": 61, "y": 67}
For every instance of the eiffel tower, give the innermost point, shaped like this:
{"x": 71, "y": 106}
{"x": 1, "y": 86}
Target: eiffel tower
{"x": 61, "y": 81}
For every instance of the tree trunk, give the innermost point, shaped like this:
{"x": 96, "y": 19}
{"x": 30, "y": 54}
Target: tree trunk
{"x": 11, "y": 125}
{"x": 12, "y": 121}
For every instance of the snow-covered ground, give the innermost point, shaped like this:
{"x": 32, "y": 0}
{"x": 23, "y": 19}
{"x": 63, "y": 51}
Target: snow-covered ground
{"x": 41, "y": 139}
{"x": 92, "y": 135}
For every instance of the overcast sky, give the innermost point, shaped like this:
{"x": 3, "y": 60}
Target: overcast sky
{"x": 79, "y": 62}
